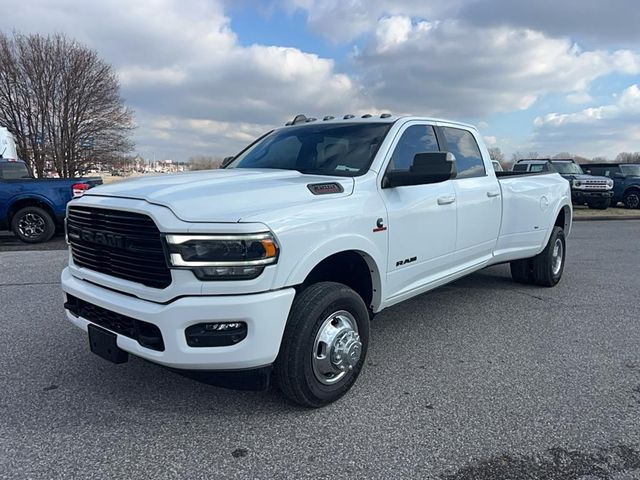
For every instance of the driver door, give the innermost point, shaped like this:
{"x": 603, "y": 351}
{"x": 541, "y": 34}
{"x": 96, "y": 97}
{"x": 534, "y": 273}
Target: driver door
{"x": 422, "y": 219}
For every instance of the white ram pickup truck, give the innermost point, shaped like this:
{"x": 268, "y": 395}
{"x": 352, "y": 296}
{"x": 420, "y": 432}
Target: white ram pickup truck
{"x": 274, "y": 265}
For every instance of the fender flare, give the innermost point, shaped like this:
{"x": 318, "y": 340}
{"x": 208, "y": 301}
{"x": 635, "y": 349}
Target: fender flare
{"x": 563, "y": 205}
{"x": 344, "y": 243}
{"x": 29, "y": 196}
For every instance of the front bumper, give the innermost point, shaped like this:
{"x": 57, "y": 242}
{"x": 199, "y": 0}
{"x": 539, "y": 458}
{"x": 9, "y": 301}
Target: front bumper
{"x": 586, "y": 195}
{"x": 264, "y": 313}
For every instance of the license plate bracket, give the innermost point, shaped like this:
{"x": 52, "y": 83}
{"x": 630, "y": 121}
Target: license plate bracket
{"x": 104, "y": 344}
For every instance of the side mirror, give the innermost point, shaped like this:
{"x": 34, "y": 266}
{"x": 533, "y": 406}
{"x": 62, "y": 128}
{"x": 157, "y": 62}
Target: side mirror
{"x": 430, "y": 167}
{"x": 226, "y": 161}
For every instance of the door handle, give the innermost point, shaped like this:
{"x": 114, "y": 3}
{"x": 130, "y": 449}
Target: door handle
{"x": 446, "y": 200}
{"x": 493, "y": 194}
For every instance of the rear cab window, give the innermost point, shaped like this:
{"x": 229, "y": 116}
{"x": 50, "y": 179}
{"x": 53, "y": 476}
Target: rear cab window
{"x": 14, "y": 171}
{"x": 465, "y": 148}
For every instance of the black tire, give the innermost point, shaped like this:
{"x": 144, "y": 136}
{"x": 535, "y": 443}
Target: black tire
{"x": 294, "y": 368}
{"x": 546, "y": 272}
{"x": 601, "y": 204}
{"x": 631, "y": 199}
{"x": 33, "y": 225}
{"x": 522, "y": 271}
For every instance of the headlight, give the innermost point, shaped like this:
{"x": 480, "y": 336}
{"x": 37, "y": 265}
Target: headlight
{"x": 223, "y": 257}
{"x": 577, "y": 183}
{"x": 610, "y": 183}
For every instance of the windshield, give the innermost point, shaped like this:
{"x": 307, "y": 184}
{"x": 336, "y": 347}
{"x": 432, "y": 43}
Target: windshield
{"x": 345, "y": 150}
{"x": 633, "y": 170}
{"x": 568, "y": 168}
{"x": 14, "y": 171}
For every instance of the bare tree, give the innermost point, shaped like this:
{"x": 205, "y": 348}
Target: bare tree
{"x": 204, "y": 162}
{"x": 496, "y": 154}
{"x": 520, "y": 156}
{"x": 62, "y": 103}
{"x": 628, "y": 157}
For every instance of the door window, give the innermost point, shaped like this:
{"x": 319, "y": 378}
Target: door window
{"x": 465, "y": 148}
{"x": 415, "y": 139}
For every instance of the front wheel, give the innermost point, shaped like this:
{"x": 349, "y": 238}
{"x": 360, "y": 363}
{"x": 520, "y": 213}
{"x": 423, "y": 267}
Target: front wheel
{"x": 324, "y": 344}
{"x": 33, "y": 225}
{"x": 632, "y": 199}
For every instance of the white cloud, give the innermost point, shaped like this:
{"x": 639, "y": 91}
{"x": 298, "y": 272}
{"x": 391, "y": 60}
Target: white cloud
{"x": 614, "y": 22}
{"x": 197, "y": 89}
{"x": 454, "y": 69}
{"x": 604, "y": 130}
{"x": 181, "y": 61}
{"x": 490, "y": 140}
{"x": 344, "y": 20}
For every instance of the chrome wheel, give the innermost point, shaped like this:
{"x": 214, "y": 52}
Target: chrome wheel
{"x": 32, "y": 225}
{"x": 557, "y": 257}
{"x": 337, "y": 347}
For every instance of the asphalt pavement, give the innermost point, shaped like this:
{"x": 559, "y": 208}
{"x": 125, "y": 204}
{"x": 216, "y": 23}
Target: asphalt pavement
{"x": 10, "y": 243}
{"x": 480, "y": 379}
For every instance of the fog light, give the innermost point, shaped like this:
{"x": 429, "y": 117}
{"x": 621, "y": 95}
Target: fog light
{"x": 221, "y": 326}
{"x": 219, "y": 334}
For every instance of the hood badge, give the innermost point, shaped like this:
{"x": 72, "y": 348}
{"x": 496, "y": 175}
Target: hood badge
{"x": 325, "y": 188}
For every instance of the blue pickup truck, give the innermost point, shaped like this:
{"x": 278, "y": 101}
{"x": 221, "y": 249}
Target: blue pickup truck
{"x": 33, "y": 208}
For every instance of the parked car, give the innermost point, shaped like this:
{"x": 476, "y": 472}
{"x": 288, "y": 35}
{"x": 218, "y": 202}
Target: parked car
{"x": 33, "y": 208}
{"x": 626, "y": 181}
{"x": 277, "y": 262}
{"x": 594, "y": 191}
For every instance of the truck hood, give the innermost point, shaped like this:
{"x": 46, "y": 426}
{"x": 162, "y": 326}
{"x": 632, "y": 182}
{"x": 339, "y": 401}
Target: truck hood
{"x": 575, "y": 176}
{"x": 226, "y": 195}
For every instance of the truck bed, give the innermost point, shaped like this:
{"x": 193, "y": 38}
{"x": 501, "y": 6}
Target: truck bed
{"x": 528, "y": 200}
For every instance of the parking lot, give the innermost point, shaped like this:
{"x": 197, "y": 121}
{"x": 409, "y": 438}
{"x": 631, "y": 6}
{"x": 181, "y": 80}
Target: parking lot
{"x": 483, "y": 378}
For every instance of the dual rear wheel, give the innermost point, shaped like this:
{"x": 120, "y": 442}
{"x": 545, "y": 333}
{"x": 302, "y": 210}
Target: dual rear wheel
{"x": 546, "y": 268}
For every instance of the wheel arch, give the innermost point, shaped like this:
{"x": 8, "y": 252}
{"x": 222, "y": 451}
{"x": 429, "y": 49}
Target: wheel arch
{"x": 27, "y": 201}
{"x": 563, "y": 218}
{"x": 343, "y": 265}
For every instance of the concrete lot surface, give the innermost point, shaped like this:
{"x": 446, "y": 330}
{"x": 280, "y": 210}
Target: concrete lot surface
{"x": 481, "y": 379}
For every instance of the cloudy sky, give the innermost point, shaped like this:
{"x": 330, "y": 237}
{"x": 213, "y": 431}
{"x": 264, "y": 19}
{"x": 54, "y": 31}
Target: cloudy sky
{"x": 207, "y": 76}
